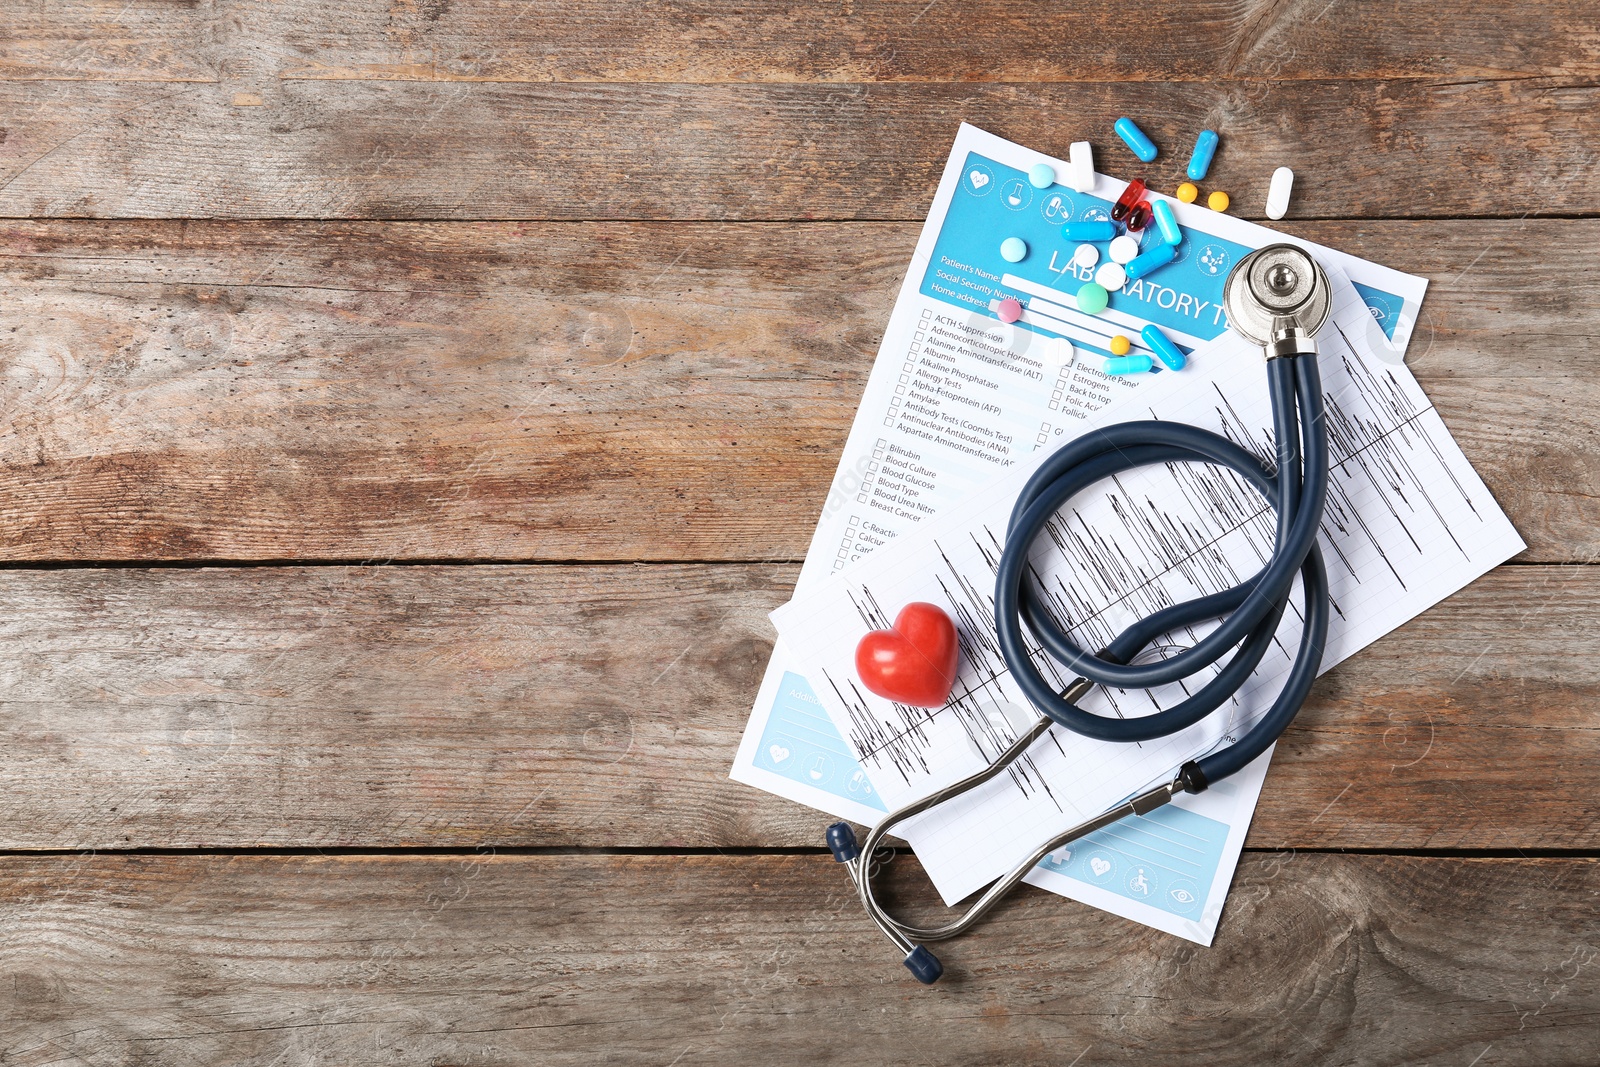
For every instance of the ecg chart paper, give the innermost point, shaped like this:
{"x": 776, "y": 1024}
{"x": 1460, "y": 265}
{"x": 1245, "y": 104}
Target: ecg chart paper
{"x": 1407, "y": 523}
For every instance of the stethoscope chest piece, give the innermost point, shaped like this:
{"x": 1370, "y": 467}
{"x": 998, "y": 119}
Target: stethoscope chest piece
{"x": 1278, "y": 297}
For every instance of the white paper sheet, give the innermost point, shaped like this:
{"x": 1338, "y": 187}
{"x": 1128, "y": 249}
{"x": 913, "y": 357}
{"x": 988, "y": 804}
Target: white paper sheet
{"x": 790, "y": 747}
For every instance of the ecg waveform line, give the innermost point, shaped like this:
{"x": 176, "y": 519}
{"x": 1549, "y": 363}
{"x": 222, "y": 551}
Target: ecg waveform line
{"x": 1093, "y": 577}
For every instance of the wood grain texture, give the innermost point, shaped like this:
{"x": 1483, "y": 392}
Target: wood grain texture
{"x": 621, "y": 391}
{"x": 374, "y": 149}
{"x": 636, "y": 960}
{"x": 774, "y": 41}
{"x": 602, "y": 706}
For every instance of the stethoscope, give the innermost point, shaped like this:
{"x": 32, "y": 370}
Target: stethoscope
{"x": 1276, "y": 297}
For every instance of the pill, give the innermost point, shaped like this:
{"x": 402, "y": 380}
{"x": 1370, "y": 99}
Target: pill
{"x": 1086, "y": 256}
{"x": 1139, "y": 217}
{"x": 1188, "y": 193}
{"x": 1163, "y": 347}
{"x": 1013, "y": 249}
{"x": 1167, "y": 223}
{"x": 1145, "y": 262}
{"x": 1205, "y": 146}
{"x": 1111, "y": 276}
{"x": 1134, "y": 138}
{"x": 1278, "y": 192}
{"x": 1092, "y": 298}
{"x": 1080, "y": 159}
{"x": 1130, "y": 196}
{"x": 1041, "y": 175}
{"x": 1010, "y": 309}
{"x": 1098, "y": 230}
{"x": 1123, "y": 249}
{"x": 1127, "y": 364}
{"x": 1120, "y": 345}
{"x": 1064, "y": 352}
{"x": 1217, "y": 201}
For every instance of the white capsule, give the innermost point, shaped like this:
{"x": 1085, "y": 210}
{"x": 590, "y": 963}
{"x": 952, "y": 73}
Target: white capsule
{"x": 1080, "y": 159}
{"x": 1086, "y": 256}
{"x": 1123, "y": 249}
{"x": 1278, "y": 192}
{"x": 1111, "y": 277}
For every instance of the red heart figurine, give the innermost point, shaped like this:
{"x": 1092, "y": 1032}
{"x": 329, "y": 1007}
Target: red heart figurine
{"x": 914, "y": 661}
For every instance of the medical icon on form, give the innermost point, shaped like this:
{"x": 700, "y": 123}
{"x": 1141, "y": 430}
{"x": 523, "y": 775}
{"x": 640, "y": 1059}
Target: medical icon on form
{"x": 1183, "y": 897}
{"x": 820, "y": 769}
{"x": 859, "y": 784}
{"x": 1139, "y": 883}
{"x": 1213, "y": 259}
{"x": 1016, "y": 194}
{"x": 979, "y": 181}
{"x": 1057, "y": 208}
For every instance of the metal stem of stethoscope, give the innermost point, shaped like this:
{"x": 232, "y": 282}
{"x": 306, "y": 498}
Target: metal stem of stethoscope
{"x": 1276, "y": 297}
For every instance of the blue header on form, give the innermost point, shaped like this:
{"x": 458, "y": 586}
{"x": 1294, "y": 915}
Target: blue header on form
{"x": 994, "y": 202}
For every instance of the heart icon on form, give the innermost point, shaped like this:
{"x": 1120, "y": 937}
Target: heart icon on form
{"x": 778, "y": 753}
{"x": 979, "y": 179}
{"x": 1099, "y": 866}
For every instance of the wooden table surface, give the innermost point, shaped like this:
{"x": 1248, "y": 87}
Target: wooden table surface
{"x": 412, "y": 412}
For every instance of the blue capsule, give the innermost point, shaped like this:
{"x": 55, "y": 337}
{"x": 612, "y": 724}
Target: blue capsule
{"x": 1145, "y": 262}
{"x": 1167, "y": 222}
{"x": 1135, "y": 139}
{"x": 1089, "y": 231}
{"x": 1162, "y": 346}
{"x": 1205, "y": 146}
{"x": 1135, "y": 364}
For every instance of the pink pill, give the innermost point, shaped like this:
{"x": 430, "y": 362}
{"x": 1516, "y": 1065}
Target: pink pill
{"x": 1010, "y": 310}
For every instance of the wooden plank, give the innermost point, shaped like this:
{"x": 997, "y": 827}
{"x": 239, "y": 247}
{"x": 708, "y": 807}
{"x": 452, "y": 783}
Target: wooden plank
{"x": 83, "y": 40}
{"x": 615, "y": 391}
{"x": 773, "y": 41}
{"x": 330, "y": 149}
{"x": 768, "y": 959}
{"x": 572, "y": 706}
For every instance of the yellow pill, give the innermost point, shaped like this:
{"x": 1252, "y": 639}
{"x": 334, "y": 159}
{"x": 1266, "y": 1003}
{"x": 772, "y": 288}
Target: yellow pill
{"x": 1120, "y": 345}
{"x": 1188, "y": 193}
{"x": 1217, "y": 201}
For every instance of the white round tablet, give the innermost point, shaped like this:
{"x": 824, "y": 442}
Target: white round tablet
{"x": 1123, "y": 249}
{"x": 1111, "y": 276}
{"x": 1086, "y": 256}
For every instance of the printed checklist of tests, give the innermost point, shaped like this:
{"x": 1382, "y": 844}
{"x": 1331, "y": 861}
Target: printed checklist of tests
{"x": 956, "y": 400}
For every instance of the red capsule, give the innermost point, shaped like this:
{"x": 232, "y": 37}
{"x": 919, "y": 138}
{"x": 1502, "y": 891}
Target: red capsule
{"x": 1129, "y": 198}
{"x": 1139, "y": 216}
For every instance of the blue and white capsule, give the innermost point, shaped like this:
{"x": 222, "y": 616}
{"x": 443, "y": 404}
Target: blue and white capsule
{"x": 1132, "y": 136}
{"x": 1162, "y": 346}
{"x": 1205, "y": 146}
{"x": 1167, "y": 222}
{"x": 1145, "y": 262}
